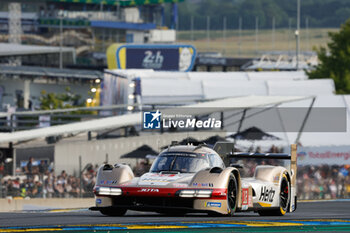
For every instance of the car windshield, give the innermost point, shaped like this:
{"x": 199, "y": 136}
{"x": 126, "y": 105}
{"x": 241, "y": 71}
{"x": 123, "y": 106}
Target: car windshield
{"x": 182, "y": 162}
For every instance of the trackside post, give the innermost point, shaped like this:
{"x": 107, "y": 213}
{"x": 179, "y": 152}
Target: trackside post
{"x": 293, "y": 173}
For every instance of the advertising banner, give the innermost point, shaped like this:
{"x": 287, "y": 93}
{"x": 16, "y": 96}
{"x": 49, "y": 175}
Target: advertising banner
{"x": 150, "y": 56}
{"x": 157, "y": 59}
{"x": 331, "y": 155}
{"x": 113, "y": 92}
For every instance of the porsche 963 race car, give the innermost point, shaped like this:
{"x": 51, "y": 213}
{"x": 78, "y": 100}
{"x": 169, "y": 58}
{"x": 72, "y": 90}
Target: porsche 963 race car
{"x": 187, "y": 179}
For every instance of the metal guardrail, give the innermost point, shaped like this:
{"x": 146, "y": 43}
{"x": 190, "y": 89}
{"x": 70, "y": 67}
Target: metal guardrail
{"x": 24, "y": 120}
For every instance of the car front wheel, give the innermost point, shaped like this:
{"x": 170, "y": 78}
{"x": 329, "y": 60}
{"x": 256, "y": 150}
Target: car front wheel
{"x": 232, "y": 192}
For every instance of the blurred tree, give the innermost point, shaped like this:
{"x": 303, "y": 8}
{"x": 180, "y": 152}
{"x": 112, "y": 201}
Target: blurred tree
{"x": 325, "y": 13}
{"x": 335, "y": 63}
{"x": 58, "y": 101}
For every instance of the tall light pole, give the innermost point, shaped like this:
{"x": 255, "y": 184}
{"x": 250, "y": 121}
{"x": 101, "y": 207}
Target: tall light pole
{"x": 297, "y": 34}
{"x": 289, "y": 32}
{"x": 208, "y": 33}
{"x": 192, "y": 24}
{"x": 273, "y": 33}
{"x": 224, "y": 25}
{"x": 256, "y": 34}
{"x": 307, "y": 34}
{"x": 60, "y": 15}
{"x": 239, "y": 35}
{"x": 61, "y": 42}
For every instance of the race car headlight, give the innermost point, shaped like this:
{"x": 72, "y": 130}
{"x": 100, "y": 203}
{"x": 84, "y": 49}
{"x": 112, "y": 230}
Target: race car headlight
{"x": 108, "y": 191}
{"x": 116, "y": 191}
{"x": 187, "y": 193}
{"x": 203, "y": 193}
{"x": 103, "y": 191}
{"x": 195, "y": 193}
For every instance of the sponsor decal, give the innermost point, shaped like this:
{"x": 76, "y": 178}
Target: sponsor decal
{"x": 158, "y": 180}
{"x": 151, "y": 120}
{"x": 266, "y": 194}
{"x": 149, "y": 190}
{"x": 163, "y": 175}
{"x": 245, "y": 198}
{"x": 203, "y": 184}
{"x": 153, "y": 180}
{"x": 276, "y": 179}
{"x": 125, "y": 184}
{"x": 98, "y": 201}
{"x": 179, "y": 185}
{"x": 159, "y": 177}
{"x": 213, "y": 204}
{"x": 108, "y": 182}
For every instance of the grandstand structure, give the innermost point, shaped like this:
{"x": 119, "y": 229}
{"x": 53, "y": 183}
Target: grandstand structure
{"x": 88, "y": 26}
{"x": 35, "y": 54}
{"x": 21, "y": 85}
{"x": 120, "y": 21}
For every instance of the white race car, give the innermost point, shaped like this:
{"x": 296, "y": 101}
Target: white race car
{"x": 186, "y": 178}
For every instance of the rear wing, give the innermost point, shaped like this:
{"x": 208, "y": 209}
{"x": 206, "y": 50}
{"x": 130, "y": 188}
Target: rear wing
{"x": 260, "y": 155}
{"x": 226, "y": 151}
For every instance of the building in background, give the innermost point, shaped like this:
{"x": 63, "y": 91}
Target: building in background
{"x": 90, "y": 26}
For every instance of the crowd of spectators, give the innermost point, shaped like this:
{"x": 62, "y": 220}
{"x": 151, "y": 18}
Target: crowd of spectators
{"x": 323, "y": 182}
{"x": 41, "y": 182}
{"x": 314, "y": 182}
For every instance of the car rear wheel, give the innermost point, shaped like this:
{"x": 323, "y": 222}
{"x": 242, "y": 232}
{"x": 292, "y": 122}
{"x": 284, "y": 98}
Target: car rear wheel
{"x": 284, "y": 200}
{"x": 232, "y": 192}
{"x": 113, "y": 211}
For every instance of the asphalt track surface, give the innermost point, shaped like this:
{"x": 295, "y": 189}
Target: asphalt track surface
{"x": 325, "y": 213}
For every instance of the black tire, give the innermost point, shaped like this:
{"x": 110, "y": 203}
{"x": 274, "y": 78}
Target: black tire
{"x": 231, "y": 198}
{"x": 232, "y": 192}
{"x": 284, "y": 200}
{"x": 113, "y": 211}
